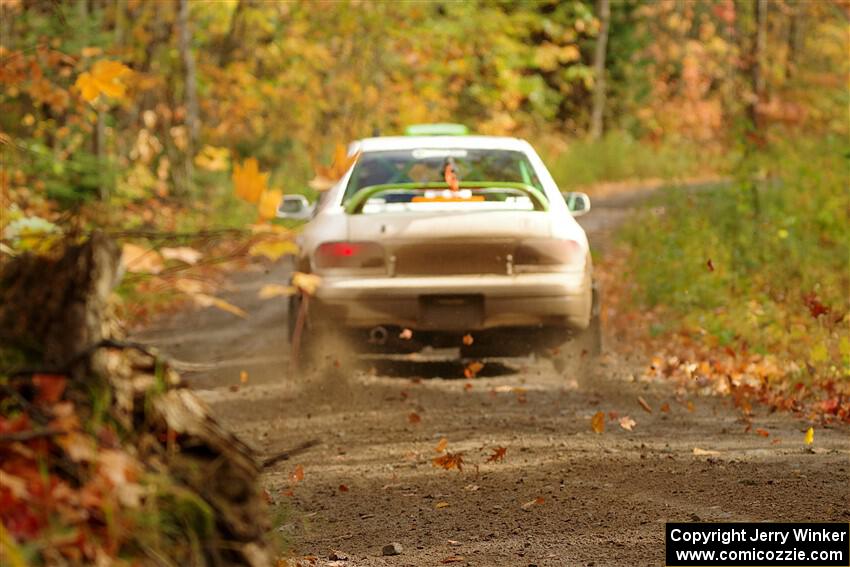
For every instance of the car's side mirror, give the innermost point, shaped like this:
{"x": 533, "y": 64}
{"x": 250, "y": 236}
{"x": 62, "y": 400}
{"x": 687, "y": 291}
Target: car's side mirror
{"x": 294, "y": 207}
{"x": 578, "y": 203}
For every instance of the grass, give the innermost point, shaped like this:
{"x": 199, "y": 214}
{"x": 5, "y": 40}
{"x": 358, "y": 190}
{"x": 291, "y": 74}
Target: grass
{"x": 620, "y": 157}
{"x": 753, "y": 268}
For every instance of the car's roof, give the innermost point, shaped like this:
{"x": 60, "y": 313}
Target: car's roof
{"x": 385, "y": 143}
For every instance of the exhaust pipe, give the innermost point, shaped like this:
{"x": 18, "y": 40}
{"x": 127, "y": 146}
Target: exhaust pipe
{"x": 378, "y": 336}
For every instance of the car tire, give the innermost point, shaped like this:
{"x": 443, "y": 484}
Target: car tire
{"x": 583, "y": 346}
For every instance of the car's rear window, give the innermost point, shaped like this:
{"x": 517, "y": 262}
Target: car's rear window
{"x": 426, "y": 165}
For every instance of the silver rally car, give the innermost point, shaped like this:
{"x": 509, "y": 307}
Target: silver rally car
{"x": 444, "y": 241}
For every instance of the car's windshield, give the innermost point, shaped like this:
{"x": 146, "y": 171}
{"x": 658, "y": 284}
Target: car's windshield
{"x": 427, "y": 165}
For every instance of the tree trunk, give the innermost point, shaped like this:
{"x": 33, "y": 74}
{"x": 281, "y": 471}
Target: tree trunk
{"x": 190, "y": 94}
{"x": 759, "y": 45}
{"x": 596, "y": 122}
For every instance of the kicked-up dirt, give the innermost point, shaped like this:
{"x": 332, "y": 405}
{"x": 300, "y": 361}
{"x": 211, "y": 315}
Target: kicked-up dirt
{"x": 561, "y": 494}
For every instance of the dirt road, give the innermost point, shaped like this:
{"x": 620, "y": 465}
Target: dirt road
{"x": 562, "y": 494}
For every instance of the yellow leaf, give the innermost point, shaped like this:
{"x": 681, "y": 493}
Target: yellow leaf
{"x": 597, "y": 422}
{"x": 819, "y": 353}
{"x": 248, "y": 181}
{"x": 182, "y": 254}
{"x": 212, "y": 158}
{"x": 306, "y": 282}
{"x": 273, "y": 249}
{"x": 439, "y": 505}
{"x": 205, "y": 300}
{"x": 243, "y": 377}
{"x": 810, "y": 436}
{"x": 140, "y": 260}
{"x": 269, "y": 203}
{"x": 441, "y": 446}
{"x": 275, "y": 290}
{"x": 103, "y": 78}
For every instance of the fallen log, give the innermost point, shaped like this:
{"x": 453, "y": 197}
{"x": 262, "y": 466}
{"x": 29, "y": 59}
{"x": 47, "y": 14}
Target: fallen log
{"x": 55, "y": 315}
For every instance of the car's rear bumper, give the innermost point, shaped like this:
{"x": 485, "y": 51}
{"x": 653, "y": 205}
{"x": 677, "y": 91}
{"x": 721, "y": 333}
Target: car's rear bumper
{"x": 547, "y": 299}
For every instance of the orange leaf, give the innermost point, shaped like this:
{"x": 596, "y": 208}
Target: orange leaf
{"x": 248, "y": 182}
{"x": 472, "y": 369}
{"x": 597, "y": 422}
{"x": 449, "y": 461}
{"x": 467, "y": 339}
{"x": 243, "y": 377}
{"x": 763, "y": 432}
{"x": 297, "y": 474}
{"x": 498, "y": 454}
{"x": 343, "y": 488}
{"x": 441, "y": 446}
{"x": 665, "y": 407}
{"x": 50, "y": 387}
{"x": 453, "y": 559}
{"x": 414, "y": 417}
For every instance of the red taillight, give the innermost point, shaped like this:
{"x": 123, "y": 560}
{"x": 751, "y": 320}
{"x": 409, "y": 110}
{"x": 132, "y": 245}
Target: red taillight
{"x": 349, "y": 255}
{"x": 549, "y": 253}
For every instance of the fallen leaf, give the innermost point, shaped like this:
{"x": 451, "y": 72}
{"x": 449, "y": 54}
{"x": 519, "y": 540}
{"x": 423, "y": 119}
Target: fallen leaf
{"x": 646, "y": 407}
{"x": 454, "y": 542}
{"x": 269, "y": 201}
{"x": 190, "y": 287}
{"x": 471, "y": 487}
{"x": 297, "y": 474}
{"x": 273, "y": 249}
{"x": 467, "y": 339}
{"x": 710, "y": 265}
{"x": 597, "y": 422}
{"x": 205, "y": 300}
{"x": 343, "y": 488}
{"x": 627, "y": 423}
{"x": 243, "y": 377}
{"x": 690, "y": 406}
{"x": 50, "y": 387}
{"x": 762, "y": 432}
{"x": 472, "y": 369}
{"x": 140, "y": 260}
{"x": 531, "y": 503}
{"x": 498, "y": 454}
{"x": 248, "y": 182}
{"x": 467, "y": 386}
{"x": 413, "y": 417}
{"x": 453, "y": 559}
{"x": 439, "y": 505}
{"x": 183, "y": 254}
{"x": 276, "y": 290}
{"x": 810, "y": 436}
{"x": 441, "y": 446}
{"x": 405, "y": 334}
{"x": 307, "y": 283}
{"x": 665, "y": 407}
{"x": 705, "y": 452}
{"x": 449, "y": 461}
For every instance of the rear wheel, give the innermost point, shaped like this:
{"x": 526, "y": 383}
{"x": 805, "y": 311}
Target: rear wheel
{"x": 316, "y": 346}
{"x": 580, "y": 347}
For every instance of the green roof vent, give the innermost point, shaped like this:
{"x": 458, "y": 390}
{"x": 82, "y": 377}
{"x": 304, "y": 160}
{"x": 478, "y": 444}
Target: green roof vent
{"x": 443, "y": 129}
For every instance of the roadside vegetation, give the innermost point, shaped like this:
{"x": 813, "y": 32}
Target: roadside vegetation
{"x": 757, "y": 273}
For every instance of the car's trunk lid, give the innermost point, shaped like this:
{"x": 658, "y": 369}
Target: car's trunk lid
{"x": 449, "y": 243}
